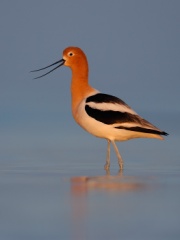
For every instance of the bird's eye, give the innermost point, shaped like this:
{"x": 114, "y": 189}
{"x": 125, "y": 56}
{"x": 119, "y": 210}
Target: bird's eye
{"x": 70, "y": 54}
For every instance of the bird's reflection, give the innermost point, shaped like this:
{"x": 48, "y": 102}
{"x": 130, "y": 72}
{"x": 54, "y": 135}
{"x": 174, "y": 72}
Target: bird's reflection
{"x": 82, "y": 185}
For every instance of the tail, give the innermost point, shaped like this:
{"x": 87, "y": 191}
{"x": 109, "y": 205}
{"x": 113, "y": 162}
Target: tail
{"x": 146, "y": 132}
{"x": 162, "y": 134}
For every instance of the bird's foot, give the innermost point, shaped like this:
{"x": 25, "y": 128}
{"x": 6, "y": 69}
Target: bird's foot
{"x": 121, "y": 165}
{"x": 107, "y": 166}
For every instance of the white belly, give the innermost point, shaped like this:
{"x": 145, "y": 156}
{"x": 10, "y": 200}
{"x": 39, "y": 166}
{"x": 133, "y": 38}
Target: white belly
{"x": 106, "y": 131}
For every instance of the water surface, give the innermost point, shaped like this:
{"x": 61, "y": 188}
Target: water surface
{"x": 77, "y": 199}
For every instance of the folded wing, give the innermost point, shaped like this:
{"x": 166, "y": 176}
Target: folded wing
{"x": 113, "y": 111}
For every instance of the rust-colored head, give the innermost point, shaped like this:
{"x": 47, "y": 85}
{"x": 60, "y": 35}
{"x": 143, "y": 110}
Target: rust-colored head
{"x": 74, "y": 58}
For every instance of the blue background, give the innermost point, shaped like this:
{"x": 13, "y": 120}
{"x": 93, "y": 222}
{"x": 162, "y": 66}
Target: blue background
{"x": 133, "y": 49}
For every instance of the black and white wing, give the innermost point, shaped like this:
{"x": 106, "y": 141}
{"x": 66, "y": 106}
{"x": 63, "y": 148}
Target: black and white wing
{"x": 113, "y": 111}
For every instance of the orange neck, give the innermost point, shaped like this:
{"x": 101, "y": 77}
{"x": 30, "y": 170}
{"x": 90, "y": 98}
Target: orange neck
{"x": 79, "y": 87}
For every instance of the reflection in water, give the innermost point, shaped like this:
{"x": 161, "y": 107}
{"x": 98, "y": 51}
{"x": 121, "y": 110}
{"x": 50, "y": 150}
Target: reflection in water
{"x": 80, "y": 186}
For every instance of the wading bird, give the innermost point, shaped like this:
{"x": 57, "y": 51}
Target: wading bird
{"x": 100, "y": 114}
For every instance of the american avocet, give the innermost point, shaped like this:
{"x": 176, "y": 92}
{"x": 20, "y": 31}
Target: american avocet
{"x": 100, "y": 114}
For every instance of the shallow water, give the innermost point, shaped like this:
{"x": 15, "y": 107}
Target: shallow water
{"x": 72, "y": 199}
{"x": 53, "y": 188}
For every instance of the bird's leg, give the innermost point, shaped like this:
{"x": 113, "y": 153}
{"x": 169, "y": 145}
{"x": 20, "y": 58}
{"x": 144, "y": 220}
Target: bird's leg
{"x": 107, "y": 165}
{"x": 120, "y": 160}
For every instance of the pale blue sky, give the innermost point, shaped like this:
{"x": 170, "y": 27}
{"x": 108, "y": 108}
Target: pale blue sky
{"x": 133, "y": 48}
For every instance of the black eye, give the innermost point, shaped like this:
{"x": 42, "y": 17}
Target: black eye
{"x": 70, "y": 54}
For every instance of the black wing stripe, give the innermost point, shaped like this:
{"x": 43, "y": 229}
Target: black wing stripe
{"x": 144, "y": 130}
{"x": 111, "y": 117}
{"x": 105, "y": 98}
